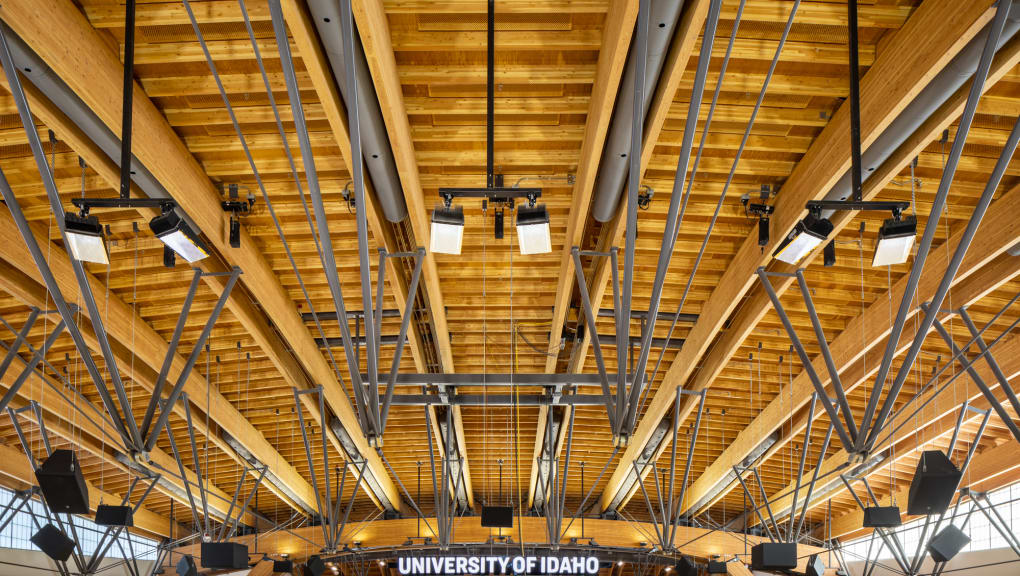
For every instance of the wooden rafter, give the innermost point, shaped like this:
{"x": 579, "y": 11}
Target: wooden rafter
{"x": 374, "y": 30}
{"x": 612, "y": 61}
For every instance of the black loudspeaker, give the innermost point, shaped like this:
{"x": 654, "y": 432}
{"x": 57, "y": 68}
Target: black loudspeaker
{"x": 774, "y": 556}
{"x": 685, "y": 567}
{"x": 947, "y": 543}
{"x": 286, "y": 566}
{"x": 224, "y": 555}
{"x": 114, "y": 515}
{"x": 882, "y": 517}
{"x": 498, "y": 516}
{"x": 186, "y": 567}
{"x": 815, "y": 566}
{"x": 314, "y": 566}
{"x": 53, "y": 543}
{"x": 62, "y": 484}
{"x": 934, "y": 483}
{"x": 716, "y": 567}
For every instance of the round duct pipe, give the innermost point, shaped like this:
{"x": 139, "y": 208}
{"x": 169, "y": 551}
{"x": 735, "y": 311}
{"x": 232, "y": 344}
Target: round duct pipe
{"x": 374, "y": 141}
{"x": 612, "y": 174}
{"x": 960, "y": 69}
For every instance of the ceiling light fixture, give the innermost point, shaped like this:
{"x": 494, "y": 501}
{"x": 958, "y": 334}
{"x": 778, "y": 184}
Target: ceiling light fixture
{"x": 895, "y": 241}
{"x": 447, "y": 229}
{"x": 85, "y": 238}
{"x": 533, "y": 230}
{"x": 532, "y": 221}
{"x": 805, "y": 237}
{"x": 173, "y": 231}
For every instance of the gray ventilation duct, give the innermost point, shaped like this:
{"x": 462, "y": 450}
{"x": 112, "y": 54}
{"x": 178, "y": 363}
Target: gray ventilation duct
{"x": 725, "y": 483}
{"x": 42, "y": 77}
{"x": 612, "y": 174}
{"x": 374, "y": 141}
{"x": 270, "y": 477}
{"x": 959, "y": 70}
{"x": 351, "y": 450}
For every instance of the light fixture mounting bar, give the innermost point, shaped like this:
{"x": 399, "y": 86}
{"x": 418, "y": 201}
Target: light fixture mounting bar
{"x": 896, "y": 207}
{"x": 492, "y": 193}
{"x": 86, "y": 204}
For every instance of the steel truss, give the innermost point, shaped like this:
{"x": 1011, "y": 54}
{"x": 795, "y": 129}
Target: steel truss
{"x": 910, "y": 565}
{"x": 85, "y": 564}
{"x": 668, "y": 517}
{"x": 209, "y": 533}
{"x": 373, "y": 412}
{"x": 134, "y": 440}
{"x": 330, "y": 520}
{"x": 794, "y": 529}
{"x": 870, "y": 428}
{"x": 450, "y": 479}
{"x": 968, "y": 366}
{"x": 554, "y": 487}
{"x": 38, "y": 355}
{"x": 623, "y": 408}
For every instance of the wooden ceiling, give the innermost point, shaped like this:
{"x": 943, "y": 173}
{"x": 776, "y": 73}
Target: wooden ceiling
{"x": 559, "y": 65}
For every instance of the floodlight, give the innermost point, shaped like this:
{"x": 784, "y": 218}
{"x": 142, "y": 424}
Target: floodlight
{"x": 533, "y": 230}
{"x": 173, "y": 231}
{"x": 447, "y": 230}
{"x": 805, "y": 237}
{"x": 895, "y": 240}
{"x": 85, "y": 238}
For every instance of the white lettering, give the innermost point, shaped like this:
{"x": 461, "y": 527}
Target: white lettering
{"x": 486, "y": 565}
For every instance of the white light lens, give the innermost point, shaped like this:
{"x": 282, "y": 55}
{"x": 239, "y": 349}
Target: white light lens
{"x": 534, "y": 238}
{"x": 798, "y": 248}
{"x": 446, "y": 238}
{"x": 183, "y": 246}
{"x": 88, "y": 248}
{"x": 889, "y": 251}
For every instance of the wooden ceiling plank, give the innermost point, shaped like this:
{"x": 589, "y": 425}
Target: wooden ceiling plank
{"x": 85, "y": 62}
{"x": 612, "y": 61}
{"x": 759, "y": 305}
{"x": 935, "y": 32}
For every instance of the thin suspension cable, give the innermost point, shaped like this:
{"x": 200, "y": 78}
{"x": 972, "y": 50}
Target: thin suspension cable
{"x": 729, "y": 180}
{"x": 257, "y": 175}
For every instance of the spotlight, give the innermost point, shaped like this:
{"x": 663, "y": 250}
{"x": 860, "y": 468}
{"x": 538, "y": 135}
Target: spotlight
{"x": 447, "y": 230}
{"x": 805, "y": 237}
{"x": 895, "y": 240}
{"x": 85, "y": 238}
{"x": 533, "y": 230}
{"x": 173, "y": 231}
